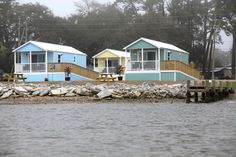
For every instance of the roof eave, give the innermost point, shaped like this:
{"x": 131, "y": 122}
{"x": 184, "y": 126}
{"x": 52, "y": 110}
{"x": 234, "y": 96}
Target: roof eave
{"x": 125, "y": 48}
{"x": 29, "y": 42}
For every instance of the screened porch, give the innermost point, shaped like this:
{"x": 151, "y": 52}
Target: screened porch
{"x": 28, "y": 62}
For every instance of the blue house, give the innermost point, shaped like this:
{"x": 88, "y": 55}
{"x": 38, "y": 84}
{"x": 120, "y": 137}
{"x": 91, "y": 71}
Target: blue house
{"x": 39, "y": 61}
{"x": 154, "y": 60}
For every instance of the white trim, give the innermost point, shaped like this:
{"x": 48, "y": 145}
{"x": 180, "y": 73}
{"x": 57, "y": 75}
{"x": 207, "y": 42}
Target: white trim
{"x": 156, "y": 59}
{"x": 126, "y": 60}
{"x": 158, "y": 44}
{"x": 107, "y": 65}
{"x": 29, "y": 42}
{"x": 175, "y": 76}
{"x": 94, "y": 64}
{"x": 14, "y": 62}
{"x": 142, "y": 59}
{"x": 30, "y": 61}
{"x": 53, "y": 48}
{"x": 159, "y": 59}
{"x": 46, "y": 63}
{"x": 111, "y": 51}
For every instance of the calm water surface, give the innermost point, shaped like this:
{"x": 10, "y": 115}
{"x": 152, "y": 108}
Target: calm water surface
{"x": 119, "y": 130}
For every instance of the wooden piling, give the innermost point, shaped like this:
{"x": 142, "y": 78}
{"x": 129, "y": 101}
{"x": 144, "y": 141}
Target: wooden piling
{"x": 208, "y": 91}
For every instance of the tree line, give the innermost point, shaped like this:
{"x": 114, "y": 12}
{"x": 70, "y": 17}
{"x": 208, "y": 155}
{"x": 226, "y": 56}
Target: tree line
{"x": 193, "y": 25}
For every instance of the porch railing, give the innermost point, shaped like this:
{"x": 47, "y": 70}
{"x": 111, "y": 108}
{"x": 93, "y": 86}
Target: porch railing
{"x": 165, "y": 65}
{"x": 27, "y": 68}
{"x": 22, "y": 68}
{"x": 147, "y": 65}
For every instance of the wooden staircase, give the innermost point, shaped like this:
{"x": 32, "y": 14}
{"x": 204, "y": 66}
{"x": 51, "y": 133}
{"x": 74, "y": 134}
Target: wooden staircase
{"x": 59, "y": 67}
{"x": 180, "y": 66}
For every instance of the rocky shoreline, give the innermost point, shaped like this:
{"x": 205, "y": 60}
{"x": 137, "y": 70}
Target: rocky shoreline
{"x": 29, "y": 93}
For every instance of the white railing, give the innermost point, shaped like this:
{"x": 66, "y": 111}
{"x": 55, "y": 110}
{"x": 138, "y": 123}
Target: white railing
{"x": 145, "y": 65}
{"x": 22, "y": 68}
{"x": 27, "y": 68}
{"x": 38, "y": 67}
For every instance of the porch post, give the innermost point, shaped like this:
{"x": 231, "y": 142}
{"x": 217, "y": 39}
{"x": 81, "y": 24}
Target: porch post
{"x": 94, "y": 64}
{"x": 107, "y": 65}
{"x": 142, "y": 59}
{"x": 156, "y": 58}
{"x": 175, "y": 78}
{"x": 126, "y": 60}
{"x": 14, "y": 62}
{"x": 159, "y": 64}
{"x": 46, "y": 63}
{"x": 30, "y": 61}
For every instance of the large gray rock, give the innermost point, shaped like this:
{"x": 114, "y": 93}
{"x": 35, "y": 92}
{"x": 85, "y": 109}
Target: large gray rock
{"x": 36, "y": 93}
{"x": 7, "y": 94}
{"x": 59, "y": 91}
{"x": 104, "y": 94}
{"x": 44, "y": 92}
{"x": 82, "y": 91}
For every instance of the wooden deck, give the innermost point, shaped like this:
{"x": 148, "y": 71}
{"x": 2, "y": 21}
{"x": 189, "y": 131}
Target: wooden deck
{"x": 59, "y": 67}
{"x": 180, "y": 66}
{"x": 208, "y": 91}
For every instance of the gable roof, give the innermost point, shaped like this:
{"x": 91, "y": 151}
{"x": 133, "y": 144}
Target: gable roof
{"x": 52, "y": 47}
{"x": 158, "y": 44}
{"x": 115, "y": 52}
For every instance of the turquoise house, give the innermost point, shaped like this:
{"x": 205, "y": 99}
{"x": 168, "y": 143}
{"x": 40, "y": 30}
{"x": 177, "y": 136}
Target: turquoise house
{"x": 154, "y": 60}
{"x": 40, "y": 61}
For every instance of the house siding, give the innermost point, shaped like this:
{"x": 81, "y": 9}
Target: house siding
{"x": 106, "y": 54}
{"x": 69, "y": 58}
{"x": 179, "y": 56}
{"x": 29, "y": 47}
{"x": 162, "y": 54}
{"x": 142, "y": 76}
{"x": 53, "y": 77}
{"x": 180, "y": 76}
{"x": 141, "y": 45}
{"x": 168, "y": 76}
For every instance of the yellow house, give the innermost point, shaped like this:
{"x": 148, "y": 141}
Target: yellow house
{"x": 108, "y": 60}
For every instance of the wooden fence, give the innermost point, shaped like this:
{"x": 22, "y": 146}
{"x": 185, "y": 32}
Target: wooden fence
{"x": 177, "y": 65}
{"x": 59, "y": 67}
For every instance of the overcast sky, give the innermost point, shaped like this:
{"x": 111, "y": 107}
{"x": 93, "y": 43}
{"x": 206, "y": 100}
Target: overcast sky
{"x": 65, "y": 8}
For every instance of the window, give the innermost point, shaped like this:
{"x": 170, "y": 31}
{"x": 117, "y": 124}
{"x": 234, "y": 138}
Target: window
{"x": 38, "y": 58}
{"x": 96, "y": 62}
{"x": 149, "y": 56}
{"x": 59, "y": 58}
{"x": 112, "y": 63}
{"x": 74, "y": 59}
{"x": 168, "y": 55}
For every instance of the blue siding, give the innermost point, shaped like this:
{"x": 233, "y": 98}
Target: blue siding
{"x": 29, "y": 47}
{"x": 24, "y": 57}
{"x": 175, "y": 55}
{"x": 142, "y": 76}
{"x": 181, "y": 77}
{"x": 167, "y": 76}
{"x": 52, "y": 77}
{"x": 50, "y": 57}
{"x": 141, "y": 44}
{"x": 80, "y": 60}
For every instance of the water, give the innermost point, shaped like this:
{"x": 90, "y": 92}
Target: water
{"x": 122, "y": 130}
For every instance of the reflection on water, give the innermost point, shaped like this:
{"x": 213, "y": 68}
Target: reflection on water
{"x": 138, "y": 130}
